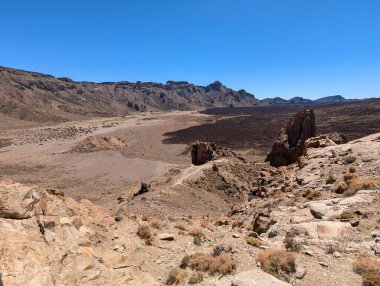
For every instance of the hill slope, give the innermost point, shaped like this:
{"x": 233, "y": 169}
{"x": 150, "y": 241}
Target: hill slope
{"x": 39, "y": 97}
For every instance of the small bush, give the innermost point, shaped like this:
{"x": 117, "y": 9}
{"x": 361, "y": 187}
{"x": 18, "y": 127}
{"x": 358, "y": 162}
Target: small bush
{"x": 369, "y": 269}
{"x": 349, "y": 176}
{"x": 292, "y": 242}
{"x": 359, "y": 184}
{"x": 185, "y": 261}
{"x": 219, "y": 249}
{"x": 145, "y": 217}
{"x": 144, "y": 232}
{"x": 196, "y": 277}
{"x": 349, "y": 160}
{"x": 274, "y": 262}
{"x": 197, "y": 232}
{"x": 314, "y": 195}
{"x": 176, "y": 276}
{"x": 341, "y": 187}
{"x": 346, "y": 215}
{"x": 197, "y": 240}
{"x": 253, "y": 241}
{"x": 222, "y": 264}
{"x": 352, "y": 170}
{"x": 331, "y": 179}
{"x": 200, "y": 262}
{"x": 181, "y": 225}
{"x": 157, "y": 224}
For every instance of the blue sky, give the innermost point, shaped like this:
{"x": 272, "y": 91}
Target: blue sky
{"x": 286, "y": 48}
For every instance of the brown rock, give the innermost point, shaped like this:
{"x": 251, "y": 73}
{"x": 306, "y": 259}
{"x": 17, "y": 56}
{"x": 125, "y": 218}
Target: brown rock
{"x": 262, "y": 223}
{"x": 202, "y": 152}
{"x": 325, "y": 140}
{"x": 290, "y": 144}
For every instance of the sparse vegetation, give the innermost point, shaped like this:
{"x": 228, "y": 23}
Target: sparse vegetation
{"x": 292, "y": 242}
{"x": 157, "y": 224}
{"x": 219, "y": 249}
{"x": 144, "y": 232}
{"x": 359, "y": 184}
{"x": 176, "y": 276}
{"x": 276, "y": 261}
{"x": 331, "y": 179}
{"x": 341, "y": 187}
{"x": 196, "y": 277}
{"x": 253, "y": 241}
{"x": 352, "y": 170}
{"x": 197, "y": 232}
{"x": 346, "y": 215}
{"x": 181, "y": 225}
{"x": 349, "y": 160}
{"x": 221, "y": 264}
{"x": 369, "y": 269}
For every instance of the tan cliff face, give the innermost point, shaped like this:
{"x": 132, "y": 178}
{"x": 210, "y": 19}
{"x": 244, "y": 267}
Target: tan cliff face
{"x": 44, "y": 98}
{"x": 47, "y": 238}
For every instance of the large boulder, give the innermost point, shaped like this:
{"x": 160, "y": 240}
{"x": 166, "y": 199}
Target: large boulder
{"x": 324, "y": 140}
{"x": 202, "y": 152}
{"x": 17, "y": 201}
{"x": 290, "y": 144}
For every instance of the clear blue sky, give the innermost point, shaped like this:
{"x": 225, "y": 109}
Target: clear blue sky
{"x": 309, "y": 48}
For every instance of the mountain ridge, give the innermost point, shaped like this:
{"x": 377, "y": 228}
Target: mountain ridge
{"x": 39, "y": 97}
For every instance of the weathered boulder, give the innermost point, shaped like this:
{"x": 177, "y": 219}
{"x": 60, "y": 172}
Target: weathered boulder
{"x": 262, "y": 223}
{"x": 202, "y": 152}
{"x": 17, "y": 201}
{"x": 324, "y": 140}
{"x": 290, "y": 144}
{"x": 322, "y": 229}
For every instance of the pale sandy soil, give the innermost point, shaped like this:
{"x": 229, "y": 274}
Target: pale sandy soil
{"x": 36, "y": 157}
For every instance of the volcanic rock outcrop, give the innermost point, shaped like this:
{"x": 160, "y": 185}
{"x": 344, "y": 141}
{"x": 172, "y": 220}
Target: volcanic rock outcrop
{"x": 202, "y": 152}
{"x": 290, "y": 143}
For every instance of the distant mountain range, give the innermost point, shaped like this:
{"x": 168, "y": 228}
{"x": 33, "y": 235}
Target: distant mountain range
{"x": 39, "y": 97}
{"x": 305, "y": 101}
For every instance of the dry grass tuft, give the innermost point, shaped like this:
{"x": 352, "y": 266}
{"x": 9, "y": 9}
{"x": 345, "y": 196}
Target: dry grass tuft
{"x": 359, "y": 184}
{"x": 253, "y": 241}
{"x": 369, "y": 269}
{"x": 207, "y": 225}
{"x": 345, "y": 215}
{"x": 331, "y": 179}
{"x": 221, "y": 264}
{"x": 198, "y": 234}
{"x": 181, "y": 225}
{"x": 196, "y": 277}
{"x": 144, "y": 232}
{"x": 341, "y": 187}
{"x": 177, "y": 276}
{"x": 276, "y": 261}
{"x": 157, "y": 224}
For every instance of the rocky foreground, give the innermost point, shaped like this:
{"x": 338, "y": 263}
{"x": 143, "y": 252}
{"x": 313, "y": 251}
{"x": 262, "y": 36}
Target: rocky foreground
{"x": 312, "y": 222}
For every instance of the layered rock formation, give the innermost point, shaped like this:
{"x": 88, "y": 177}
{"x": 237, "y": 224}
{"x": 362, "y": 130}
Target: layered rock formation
{"x": 290, "y": 143}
